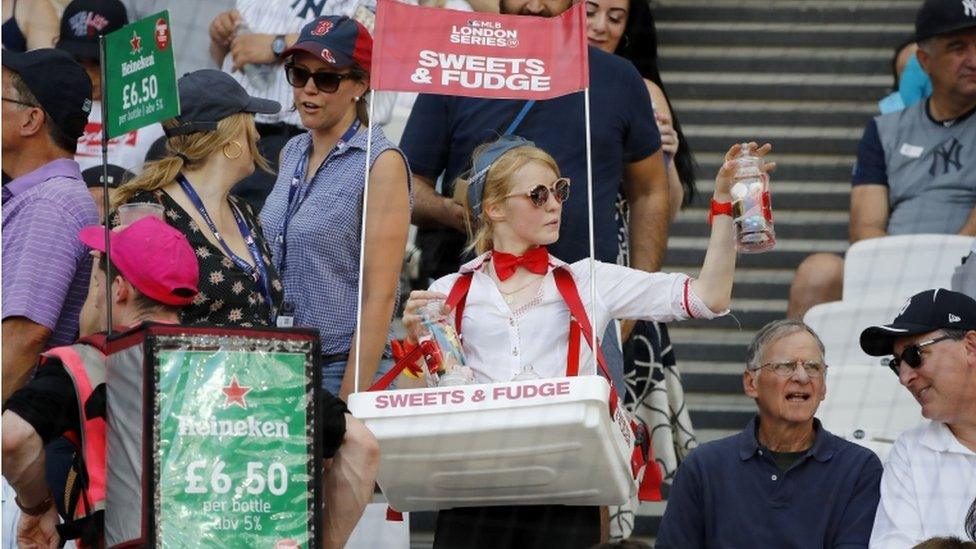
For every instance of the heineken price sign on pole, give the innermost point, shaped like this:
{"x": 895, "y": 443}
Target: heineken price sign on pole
{"x": 140, "y": 77}
{"x": 233, "y": 449}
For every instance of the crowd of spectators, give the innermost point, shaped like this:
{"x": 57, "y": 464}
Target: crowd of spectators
{"x": 261, "y": 180}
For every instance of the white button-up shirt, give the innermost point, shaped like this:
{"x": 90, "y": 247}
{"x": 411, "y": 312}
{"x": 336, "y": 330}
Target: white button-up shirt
{"x": 928, "y": 486}
{"x": 499, "y": 341}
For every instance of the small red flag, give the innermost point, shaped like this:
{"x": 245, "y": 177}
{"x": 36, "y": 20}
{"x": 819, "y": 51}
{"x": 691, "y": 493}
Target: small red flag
{"x": 449, "y": 52}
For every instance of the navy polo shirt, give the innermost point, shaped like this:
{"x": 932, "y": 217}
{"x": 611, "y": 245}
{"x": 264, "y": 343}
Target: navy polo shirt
{"x": 443, "y": 131}
{"x": 730, "y": 493}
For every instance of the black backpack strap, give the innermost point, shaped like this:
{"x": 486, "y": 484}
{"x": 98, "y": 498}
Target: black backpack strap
{"x": 88, "y": 530}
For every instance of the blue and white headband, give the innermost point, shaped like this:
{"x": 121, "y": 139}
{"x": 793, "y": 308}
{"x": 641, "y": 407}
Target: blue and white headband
{"x": 483, "y": 163}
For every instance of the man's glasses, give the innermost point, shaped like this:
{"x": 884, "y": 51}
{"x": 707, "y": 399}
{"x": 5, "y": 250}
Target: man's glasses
{"x": 540, "y": 194}
{"x": 785, "y": 368}
{"x": 18, "y": 102}
{"x": 912, "y": 355}
{"x": 327, "y": 82}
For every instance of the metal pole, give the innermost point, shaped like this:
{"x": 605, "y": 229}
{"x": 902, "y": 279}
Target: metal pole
{"x": 105, "y": 197}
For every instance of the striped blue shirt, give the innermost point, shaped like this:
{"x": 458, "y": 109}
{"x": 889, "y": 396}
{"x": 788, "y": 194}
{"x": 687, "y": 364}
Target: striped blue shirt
{"x": 321, "y": 270}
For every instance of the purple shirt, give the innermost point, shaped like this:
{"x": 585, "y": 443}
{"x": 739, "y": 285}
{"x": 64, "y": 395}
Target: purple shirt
{"x": 45, "y": 266}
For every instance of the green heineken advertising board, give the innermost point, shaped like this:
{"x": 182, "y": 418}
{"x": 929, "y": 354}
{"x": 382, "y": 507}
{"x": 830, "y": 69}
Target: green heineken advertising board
{"x": 234, "y": 460}
{"x": 140, "y": 77}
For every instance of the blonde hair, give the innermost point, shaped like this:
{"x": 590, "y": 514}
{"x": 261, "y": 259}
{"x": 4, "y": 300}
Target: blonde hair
{"x": 188, "y": 150}
{"x": 498, "y": 184}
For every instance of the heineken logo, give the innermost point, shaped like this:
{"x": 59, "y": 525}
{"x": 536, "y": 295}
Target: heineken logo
{"x": 129, "y": 67}
{"x": 250, "y": 427}
{"x": 136, "y": 42}
{"x": 235, "y": 393}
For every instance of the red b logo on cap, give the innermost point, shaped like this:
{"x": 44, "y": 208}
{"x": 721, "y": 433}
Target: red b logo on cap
{"x": 323, "y": 27}
{"x": 327, "y": 55}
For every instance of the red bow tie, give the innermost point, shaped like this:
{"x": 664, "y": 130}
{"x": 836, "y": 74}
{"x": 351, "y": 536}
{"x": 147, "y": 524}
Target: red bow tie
{"x": 535, "y": 261}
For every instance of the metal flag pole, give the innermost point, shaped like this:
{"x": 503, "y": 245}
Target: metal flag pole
{"x": 589, "y": 205}
{"x": 362, "y": 245}
{"x": 105, "y": 197}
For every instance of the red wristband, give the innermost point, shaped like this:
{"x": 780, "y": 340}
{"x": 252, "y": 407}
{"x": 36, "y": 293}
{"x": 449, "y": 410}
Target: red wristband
{"x": 719, "y": 208}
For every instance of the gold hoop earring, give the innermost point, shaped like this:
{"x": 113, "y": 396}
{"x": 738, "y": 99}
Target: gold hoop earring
{"x": 240, "y": 149}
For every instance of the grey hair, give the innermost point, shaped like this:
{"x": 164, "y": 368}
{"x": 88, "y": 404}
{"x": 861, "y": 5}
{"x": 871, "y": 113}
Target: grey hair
{"x": 772, "y": 332}
{"x": 927, "y": 44}
{"x": 955, "y": 335}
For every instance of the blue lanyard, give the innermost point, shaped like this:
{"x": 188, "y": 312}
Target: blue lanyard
{"x": 258, "y": 272}
{"x": 296, "y": 197}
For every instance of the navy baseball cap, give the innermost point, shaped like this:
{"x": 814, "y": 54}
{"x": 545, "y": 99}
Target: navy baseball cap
{"x": 483, "y": 161}
{"x": 338, "y": 40}
{"x": 923, "y": 312}
{"x": 937, "y": 17}
{"x": 84, "y": 20}
{"x": 208, "y": 96}
{"x": 59, "y": 83}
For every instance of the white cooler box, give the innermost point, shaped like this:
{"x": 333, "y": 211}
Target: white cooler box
{"x": 546, "y": 441}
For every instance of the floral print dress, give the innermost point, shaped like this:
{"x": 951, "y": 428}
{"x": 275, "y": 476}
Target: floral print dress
{"x": 228, "y": 295}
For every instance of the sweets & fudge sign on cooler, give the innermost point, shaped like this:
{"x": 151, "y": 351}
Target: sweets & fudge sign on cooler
{"x": 233, "y": 449}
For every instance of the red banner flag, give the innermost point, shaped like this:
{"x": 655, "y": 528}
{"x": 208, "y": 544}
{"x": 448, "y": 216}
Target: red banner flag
{"x": 449, "y": 52}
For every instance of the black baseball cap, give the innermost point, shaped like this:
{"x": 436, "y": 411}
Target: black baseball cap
{"x": 937, "y": 17}
{"x": 208, "y": 96}
{"x": 923, "y": 312}
{"x": 59, "y": 83}
{"x": 84, "y": 20}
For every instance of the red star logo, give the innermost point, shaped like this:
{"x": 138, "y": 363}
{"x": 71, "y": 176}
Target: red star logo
{"x": 235, "y": 393}
{"x": 136, "y": 43}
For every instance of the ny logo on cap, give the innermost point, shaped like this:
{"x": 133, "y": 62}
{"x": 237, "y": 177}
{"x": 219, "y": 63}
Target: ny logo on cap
{"x": 327, "y": 55}
{"x": 87, "y": 24}
{"x": 969, "y": 8}
{"x": 953, "y": 318}
{"x": 323, "y": 27}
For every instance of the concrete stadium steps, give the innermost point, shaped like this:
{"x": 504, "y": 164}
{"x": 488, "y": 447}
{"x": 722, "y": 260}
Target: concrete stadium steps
{"x": 826, "y": 62}
{"x": 790, "y": 82}
{"x": 743, "y": 112}
{"x": 789, "y": 224}
{"x": 786, "y": 139}
{"x": 896, "y": 12}
{"x": 824, "y": 168}
{"x": 790, "y": 34}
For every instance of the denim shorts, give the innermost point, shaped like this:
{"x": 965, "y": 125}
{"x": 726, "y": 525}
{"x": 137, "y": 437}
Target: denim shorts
{"x": 332, "y": 373}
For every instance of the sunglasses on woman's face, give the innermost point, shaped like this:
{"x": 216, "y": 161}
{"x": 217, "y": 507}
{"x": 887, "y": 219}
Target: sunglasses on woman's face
{"x": 539, "y": 195}
{"x": 326, "y": 82}
{"x": 912, "y": 355}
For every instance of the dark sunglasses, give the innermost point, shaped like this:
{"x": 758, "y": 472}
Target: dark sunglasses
{"x": 912, "y": 355}
{"x": 327, "y": 82}
{"x": 540, "y": 194}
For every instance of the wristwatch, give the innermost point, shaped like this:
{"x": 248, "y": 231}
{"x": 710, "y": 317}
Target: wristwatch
{"x": 38, "y": 509}
{"x": 278, "y": 45}
{"x": 719, "y": 208}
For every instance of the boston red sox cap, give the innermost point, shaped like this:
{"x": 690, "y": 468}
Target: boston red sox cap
{"x": 337, "y": 40}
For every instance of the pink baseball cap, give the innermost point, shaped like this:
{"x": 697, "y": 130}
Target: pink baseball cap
{"x": 153, "y": 256}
